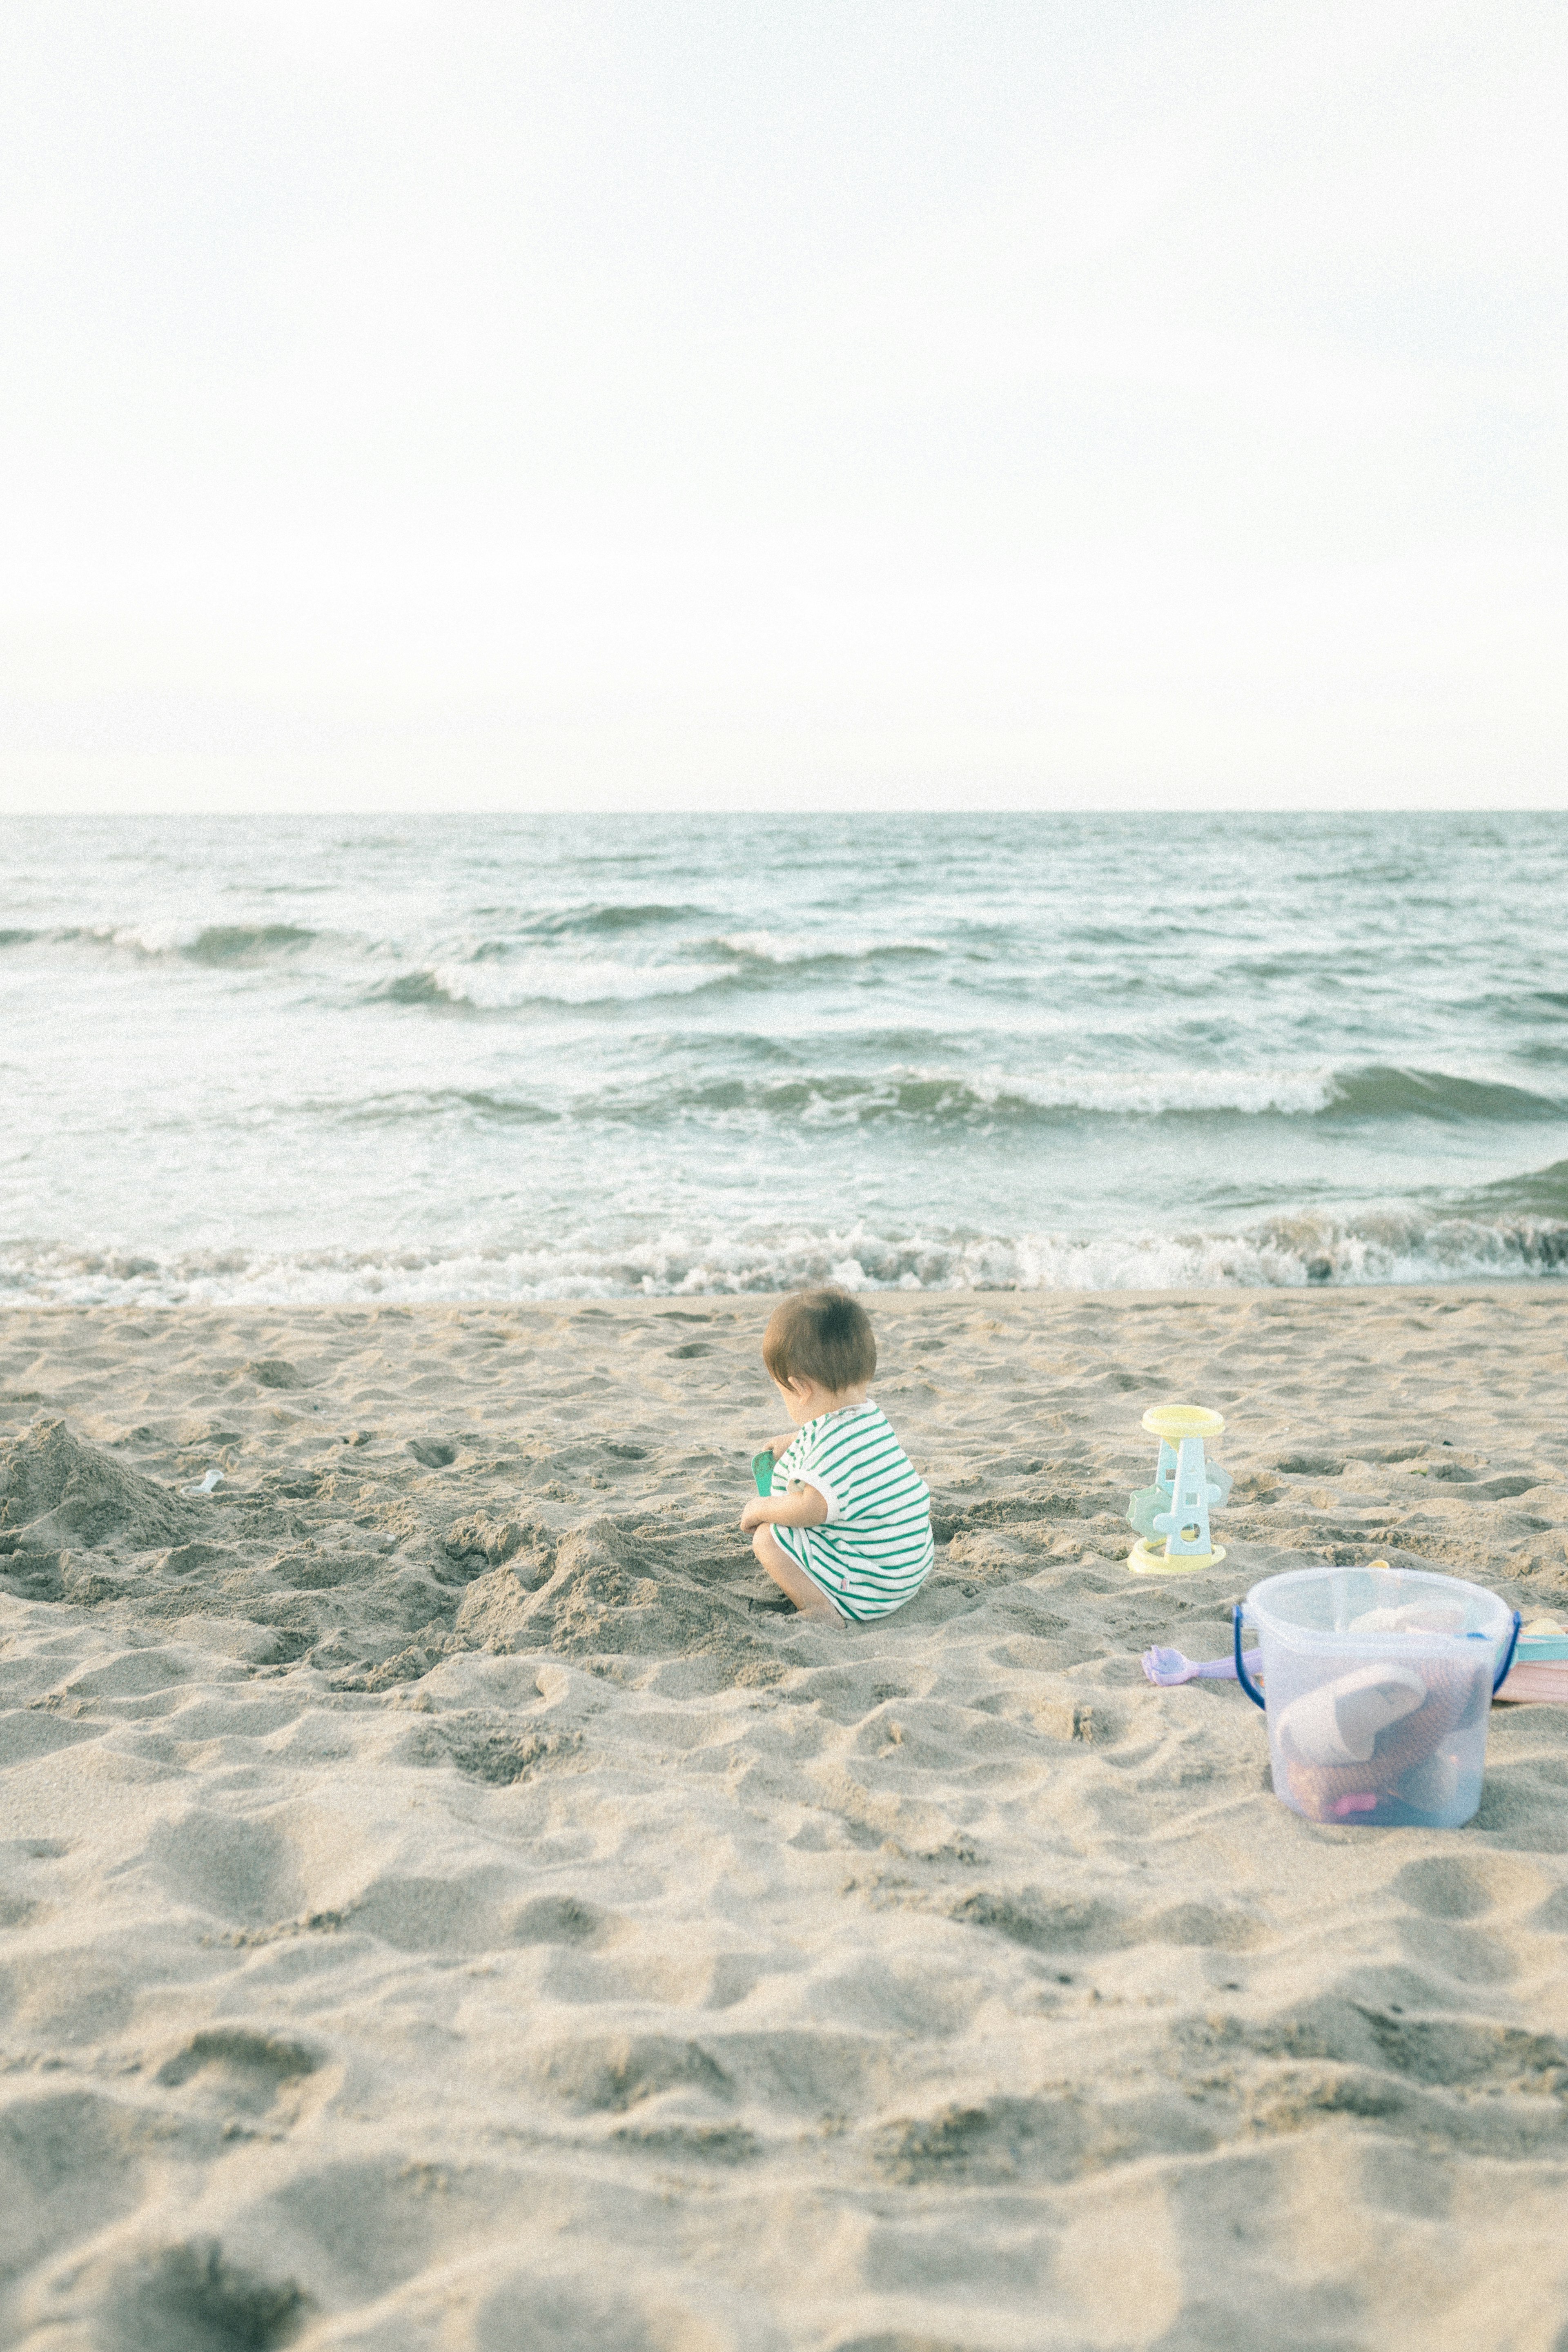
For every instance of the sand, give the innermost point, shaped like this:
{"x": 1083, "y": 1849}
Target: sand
{"x": 447, "y": 1905}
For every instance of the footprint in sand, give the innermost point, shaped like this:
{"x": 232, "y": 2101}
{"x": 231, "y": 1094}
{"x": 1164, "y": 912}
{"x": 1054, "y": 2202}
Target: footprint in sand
{"x": 187, "y": 2298}
{"x": 245, "y": 2071}
{"x": 433, "y": 1452}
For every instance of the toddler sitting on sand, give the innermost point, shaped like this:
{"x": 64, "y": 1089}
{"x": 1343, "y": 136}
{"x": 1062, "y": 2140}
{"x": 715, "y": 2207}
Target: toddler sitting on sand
{"x": 846, "y": 1528}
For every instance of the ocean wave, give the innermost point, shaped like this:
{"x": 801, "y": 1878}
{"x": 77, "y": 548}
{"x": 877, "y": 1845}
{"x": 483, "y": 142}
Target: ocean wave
{"x": 1394, "y": 1246}
{"x": 188, "y": 941}
{"x": 487, "y": 985}
{"x": 499, "y": 978}
{"x": 607, "y": 918}
{"x": 146, "y": 941}
{"x": 412, "y": 988}
{"x": 800, "y": 956}
{"x": 915, "y": 1098}
{"x": 1520, "y": 1007}
{"x": 987, "y": 1102}
{"x": 911, "y": 1096}
{"x": 414, "y": 1105}
{"x": 1377, "y": 1092}
{"x": 239, "y": 942}
{"x": 540, "y": 963}
{"x": 1542, "y": 1193}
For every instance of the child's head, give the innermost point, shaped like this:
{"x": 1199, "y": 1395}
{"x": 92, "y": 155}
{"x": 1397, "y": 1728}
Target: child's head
{"x": 823, "y": 1337}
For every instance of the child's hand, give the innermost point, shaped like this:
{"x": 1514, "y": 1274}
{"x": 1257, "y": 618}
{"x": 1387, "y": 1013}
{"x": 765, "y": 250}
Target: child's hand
{"x": 776, "y": 1445}
{"x": 754, "y": 1515}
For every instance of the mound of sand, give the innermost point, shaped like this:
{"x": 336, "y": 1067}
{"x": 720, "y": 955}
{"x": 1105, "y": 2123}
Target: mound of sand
{"x": 54, "y": 1489}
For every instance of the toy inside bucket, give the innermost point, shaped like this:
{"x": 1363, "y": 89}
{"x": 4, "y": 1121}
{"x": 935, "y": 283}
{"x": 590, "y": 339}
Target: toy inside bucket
{"x": 1379, "y": 1682}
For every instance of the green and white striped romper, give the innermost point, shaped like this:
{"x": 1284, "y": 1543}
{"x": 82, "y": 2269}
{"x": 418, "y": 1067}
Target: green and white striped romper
{"x": 873, "y": 1550}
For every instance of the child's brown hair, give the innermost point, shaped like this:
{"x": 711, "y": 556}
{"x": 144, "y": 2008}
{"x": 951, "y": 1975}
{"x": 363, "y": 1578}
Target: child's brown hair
{"x": 823, "y": 1336}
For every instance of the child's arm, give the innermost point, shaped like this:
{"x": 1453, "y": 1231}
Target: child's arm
{"x": 803, "y": 1507}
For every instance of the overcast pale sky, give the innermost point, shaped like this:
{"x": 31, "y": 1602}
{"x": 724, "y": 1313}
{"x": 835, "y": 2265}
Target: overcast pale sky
{"x": 927, "y": 402}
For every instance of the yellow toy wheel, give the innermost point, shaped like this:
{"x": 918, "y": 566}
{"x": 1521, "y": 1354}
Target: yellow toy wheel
{"x": 1142, "y": 1561}
{"x": 1174, "y": 1422}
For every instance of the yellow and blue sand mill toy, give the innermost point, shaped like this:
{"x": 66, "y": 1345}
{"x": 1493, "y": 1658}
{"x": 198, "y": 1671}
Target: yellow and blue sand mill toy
{"x": 1186, "y": 1489}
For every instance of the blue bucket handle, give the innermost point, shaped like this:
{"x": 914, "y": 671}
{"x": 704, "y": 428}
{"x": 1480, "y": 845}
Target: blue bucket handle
{"x": 1242, "y": 1676}
{"x": 1255, "y": 1695}
{"x": 1508, "y": 1654}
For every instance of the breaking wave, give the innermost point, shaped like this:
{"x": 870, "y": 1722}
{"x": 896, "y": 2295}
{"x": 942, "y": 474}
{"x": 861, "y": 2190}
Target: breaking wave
{"x": 940, "y": 1099}
{"x": 210, "y": 943}
{"x": 937, "y": 1099}
{"x": 1379, "y": 1093}
{"x": 482, "y": 985}
{"x": 1391, "y": 1246}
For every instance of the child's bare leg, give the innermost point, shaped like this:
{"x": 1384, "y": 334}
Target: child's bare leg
{"x": 808, "y": 1597}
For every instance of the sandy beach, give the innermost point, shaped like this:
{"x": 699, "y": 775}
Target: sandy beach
{"x": 447, "y": 1904}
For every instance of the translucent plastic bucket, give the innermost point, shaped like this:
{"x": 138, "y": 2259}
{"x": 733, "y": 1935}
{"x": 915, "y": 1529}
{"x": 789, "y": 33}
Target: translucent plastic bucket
{"x": 1379, "y": 1682}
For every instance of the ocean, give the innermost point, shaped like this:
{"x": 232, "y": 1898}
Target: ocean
{"x": 332, "y": 1059}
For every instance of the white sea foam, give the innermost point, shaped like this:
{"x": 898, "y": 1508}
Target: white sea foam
{"x": 498, "y": 980}
{"x": 1132, "y": 1094}
{"x": 1148, "y": 1094}
{"x": 1386, "y": 1247}
{"x": 540, "y": 976}
{"x": 814, "y": 947}
{"x": 151, "y": 940}
{"x": 923, "y": 1093}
